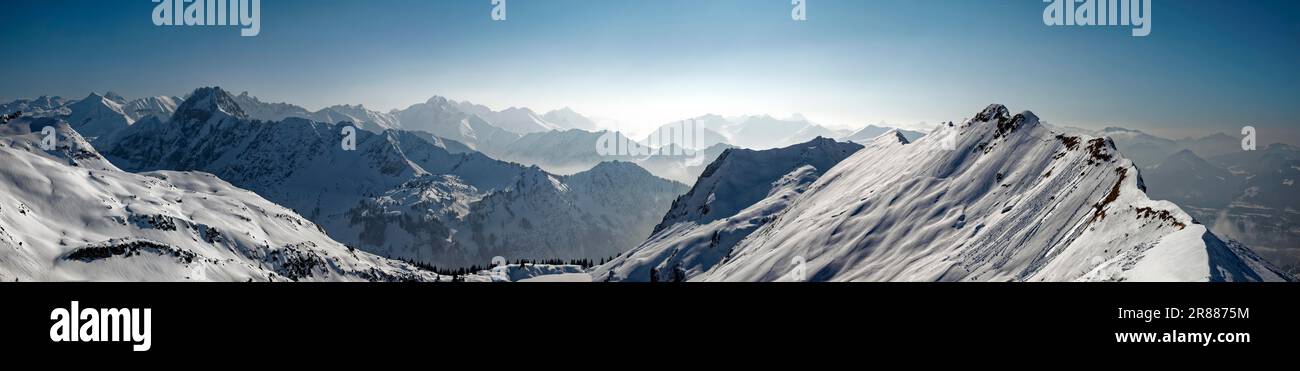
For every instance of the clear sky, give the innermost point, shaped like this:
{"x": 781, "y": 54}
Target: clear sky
{"x": 1208, "y": 65}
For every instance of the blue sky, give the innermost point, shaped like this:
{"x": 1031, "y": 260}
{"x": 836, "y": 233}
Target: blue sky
{"x": 1208, "y": 65}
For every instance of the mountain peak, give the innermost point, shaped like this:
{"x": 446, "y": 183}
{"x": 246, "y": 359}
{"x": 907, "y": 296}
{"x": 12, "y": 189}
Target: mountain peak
{"x": 114, "y": 96}
{"x": 206, "y": 102}
{"x": 993, "y": 112}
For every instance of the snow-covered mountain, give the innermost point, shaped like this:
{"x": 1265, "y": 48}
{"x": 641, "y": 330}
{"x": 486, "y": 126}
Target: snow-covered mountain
{"x": 1014, "y": 201}
{"x": 871, "y": 132}
{"x": 67, "y": 214}
{"x": 364, "y": 119}
{"x": 98, "y": 115}
{"x": 267, "y": 111}
{"x": 565, "y": 118}
{"x": 441, "y": 117}
{"x": 514, "y": 119}
{"x": 738, "y": 193}
{"x": 161, "y": 107}
{"x": 398, "y": 194}
{"x": 43, "y": 106}
{"x": 358, "y": 115}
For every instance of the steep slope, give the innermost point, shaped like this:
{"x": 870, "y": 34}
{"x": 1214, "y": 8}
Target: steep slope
{"x": 739, "y": 192}
{"x": 1014, "y": 201}
{"x": 69, "y": 215}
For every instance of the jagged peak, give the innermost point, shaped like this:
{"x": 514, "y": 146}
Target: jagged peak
{"x": 439, "y": 100}
{"x": 114, "y": 96}
{"x": 205, "y": 102}
{"x": 1002, "y": 121}
{"x": 993, "y": 112}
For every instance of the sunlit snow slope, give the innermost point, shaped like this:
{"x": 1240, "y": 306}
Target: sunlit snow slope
{"x": 1006, "y": 200}
{"x": 67, "y": 214}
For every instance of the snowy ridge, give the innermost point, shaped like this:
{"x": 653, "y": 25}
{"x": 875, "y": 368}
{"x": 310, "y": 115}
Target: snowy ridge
{"x": 1013, "y": 202}
{"x": 68, "y": 215}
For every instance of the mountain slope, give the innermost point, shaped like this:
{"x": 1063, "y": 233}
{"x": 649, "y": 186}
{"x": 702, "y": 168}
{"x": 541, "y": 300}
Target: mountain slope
{"x": 69, "y": 215}
{"x": 1014, "y": 201}
{"x": 738, "y": 192}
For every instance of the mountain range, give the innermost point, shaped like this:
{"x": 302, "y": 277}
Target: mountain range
{"x": 399, "y": 194}
{"x": 454, "y": 184}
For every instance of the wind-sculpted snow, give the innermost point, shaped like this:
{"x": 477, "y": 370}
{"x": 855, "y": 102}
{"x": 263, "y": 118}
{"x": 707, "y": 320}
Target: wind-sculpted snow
{"x": 738, "y": 193}
{"x": 66, "y": 214}
{"x": 995, "y": 198}
{"x": 398, "y": 194}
